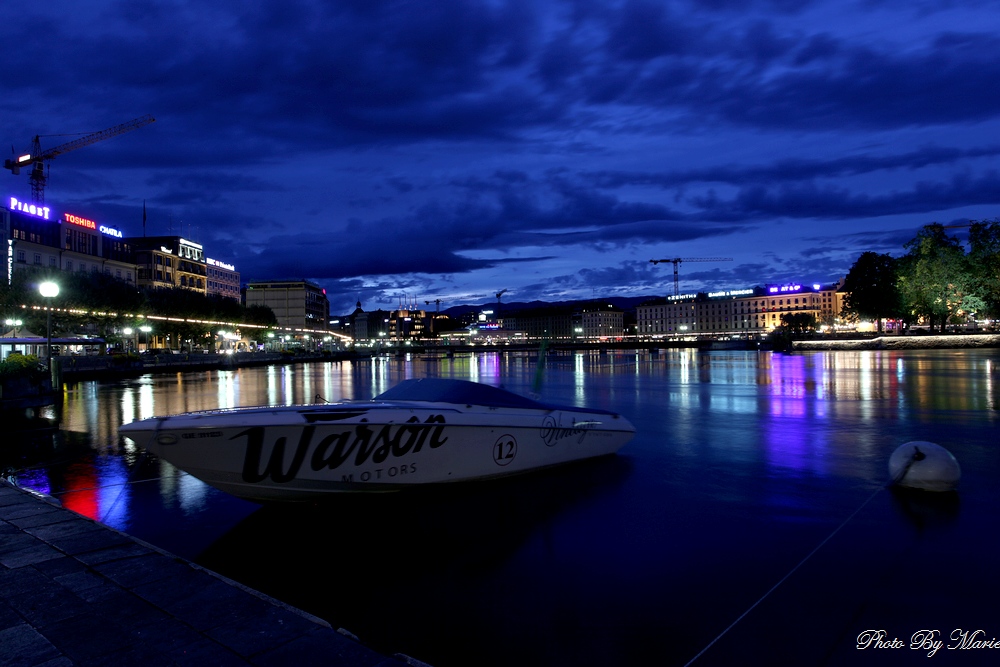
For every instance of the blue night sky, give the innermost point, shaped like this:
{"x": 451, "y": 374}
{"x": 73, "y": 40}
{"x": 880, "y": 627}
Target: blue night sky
{"x": 449, "y": 149}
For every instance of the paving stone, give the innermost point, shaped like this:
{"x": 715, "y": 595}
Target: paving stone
{"x": 149, "y": 567}
{"x": 17, "y": 542}
{"x": 336, "y": 651}
{"x": 272, "y": 627}
{"x": 94, "y": 541}
{"x": 21, "y": 580}
{"x": 29, "y": 556}
{"x": 127, "y": 549}
{"x": 214, "y": 604}
{"x": 8, "y": 617}
{"x": 27, "y": 512}
{"x": 67, "y": 526}
{"x": 40, "y": 517}
{"x": 23, "y": 645}
{"x": 59, "y": 567}
{"x": 61, "y": 661}
{"x": 183, "y": 585}
{"x": 86, "y": 638}
{"x": 46, "y": 604}
{"x": 77, "y": 582}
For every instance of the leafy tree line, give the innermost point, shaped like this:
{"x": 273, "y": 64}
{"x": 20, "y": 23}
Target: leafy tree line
{"x": 937, "y": 279}
{"x": 107, "y": 304}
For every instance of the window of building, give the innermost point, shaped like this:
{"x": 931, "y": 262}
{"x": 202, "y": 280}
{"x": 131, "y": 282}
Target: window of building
{"x": 52, "y": 261}
{"x": 118, "y": 274}
{"x": 69, "y": 265}
{"x": 38, "y": 258}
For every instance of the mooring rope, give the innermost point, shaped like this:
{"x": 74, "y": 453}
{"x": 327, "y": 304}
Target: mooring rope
{"x": 917, "y": 456}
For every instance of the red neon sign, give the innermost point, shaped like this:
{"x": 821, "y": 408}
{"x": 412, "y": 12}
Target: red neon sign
{"x": 83, "y": 222}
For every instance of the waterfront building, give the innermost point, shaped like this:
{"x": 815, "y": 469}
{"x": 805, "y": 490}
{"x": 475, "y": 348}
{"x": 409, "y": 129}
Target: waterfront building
{"x": 38, "y": 236}
{"x": 170, "y": 261}
{"x": 600, "y": 320}
{"x": 744, "y": 312}
{"x": 222, "y": 279}
{"x": 407, "y": 324}
{"x": 547, "y": 323}
{"x": 297, "y": 304}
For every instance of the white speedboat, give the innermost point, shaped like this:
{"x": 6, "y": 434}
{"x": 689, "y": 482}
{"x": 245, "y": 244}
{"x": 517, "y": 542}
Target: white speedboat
{"x": 420, "y": 432}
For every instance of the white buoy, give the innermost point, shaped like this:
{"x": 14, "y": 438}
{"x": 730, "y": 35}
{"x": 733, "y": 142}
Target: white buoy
{"x": 924, "y": 465}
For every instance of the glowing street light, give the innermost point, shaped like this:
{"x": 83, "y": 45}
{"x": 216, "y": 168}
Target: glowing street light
{"x": 15, "y": 324}
{"x": 49, "y": 290}
{"x": 146, "y": 329}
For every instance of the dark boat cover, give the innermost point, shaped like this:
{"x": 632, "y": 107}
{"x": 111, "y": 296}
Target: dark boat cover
{"x": 458, "y": 391}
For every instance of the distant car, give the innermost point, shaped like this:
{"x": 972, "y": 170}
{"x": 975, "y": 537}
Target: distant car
{"x": 154, "y": 351}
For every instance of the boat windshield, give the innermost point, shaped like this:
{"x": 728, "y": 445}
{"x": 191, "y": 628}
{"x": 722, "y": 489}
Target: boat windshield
{"x": 442, "y": 390}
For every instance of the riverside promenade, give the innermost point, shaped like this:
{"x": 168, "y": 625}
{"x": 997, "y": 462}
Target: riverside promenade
{"x": 75, "y": 592}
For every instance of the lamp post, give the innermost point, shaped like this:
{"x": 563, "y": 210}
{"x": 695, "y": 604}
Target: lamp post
{"x": 49, "y": 290}
{"x": 128, "y": 332}
{"x": 146, "y": 329}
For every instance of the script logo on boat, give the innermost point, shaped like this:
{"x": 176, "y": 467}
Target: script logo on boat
{"x": 552, "y": 433}
{"x": 363, "y": 442}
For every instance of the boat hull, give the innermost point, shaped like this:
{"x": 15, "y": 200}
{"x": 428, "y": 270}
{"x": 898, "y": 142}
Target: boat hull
{"x": 301, "y": 453}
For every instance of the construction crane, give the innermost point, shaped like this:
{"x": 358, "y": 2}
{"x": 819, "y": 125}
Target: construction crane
{"x": 676, "y": 261}
{"x": 37, "y": 158}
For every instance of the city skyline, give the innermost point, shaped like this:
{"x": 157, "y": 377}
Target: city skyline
{"x": 404, "y": 151}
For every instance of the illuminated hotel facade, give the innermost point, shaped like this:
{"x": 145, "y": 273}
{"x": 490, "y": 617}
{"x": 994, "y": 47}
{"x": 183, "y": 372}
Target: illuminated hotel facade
{"x": 223, "y": 279}
{"x": 740, "y": 312}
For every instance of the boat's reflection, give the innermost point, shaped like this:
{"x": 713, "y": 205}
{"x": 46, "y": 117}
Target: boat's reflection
{"x": 358, "y": 559}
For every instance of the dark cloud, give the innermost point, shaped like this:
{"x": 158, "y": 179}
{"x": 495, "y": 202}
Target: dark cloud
{"x": 366, "y": 142}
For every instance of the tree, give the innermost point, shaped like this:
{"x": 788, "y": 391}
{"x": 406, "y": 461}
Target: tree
{"x": 872, "y": 288}
{"x": 984, "y": 265}
{"x": 934, "y": 277}
{"x": 798, "y": 323}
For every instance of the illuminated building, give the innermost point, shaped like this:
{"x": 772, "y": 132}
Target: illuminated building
{"x": 600, "y": 320}
{"x": 741, "y": 312}
{"x": 295, "y": 303}
{"x": 222, "y": 279}
{"x": 170, "y": 261}
{"x": 40, "y": 237}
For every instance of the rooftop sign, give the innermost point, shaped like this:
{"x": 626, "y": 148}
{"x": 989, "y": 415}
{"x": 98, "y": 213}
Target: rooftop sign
{"x": 90, "y": 224}
{"x": 31, "y": 209}
{"x": 732, "y": 292}
{"x": 681, "y": 296}
{"x": 781, "y": 289}
{"x": 221, "y": 265}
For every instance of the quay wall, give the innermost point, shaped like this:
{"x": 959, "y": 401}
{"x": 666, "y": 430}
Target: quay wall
{"x": 955, "y": 341}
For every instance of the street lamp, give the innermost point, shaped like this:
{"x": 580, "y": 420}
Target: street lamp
{"x": 15, "y": 324}
{"x": 128, "y": 332}
{"x": 49, "y": 290}
{"x": 146, "y": 329}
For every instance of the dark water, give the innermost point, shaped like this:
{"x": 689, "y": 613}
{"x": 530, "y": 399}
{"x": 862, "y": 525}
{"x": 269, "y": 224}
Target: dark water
{"x": 743, "y": 463}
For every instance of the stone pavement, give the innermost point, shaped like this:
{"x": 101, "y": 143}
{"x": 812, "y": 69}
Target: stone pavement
{"x": 75, "y": 592}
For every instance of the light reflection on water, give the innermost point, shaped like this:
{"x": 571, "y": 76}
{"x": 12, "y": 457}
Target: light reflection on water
{"x": 729, "y": 445}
